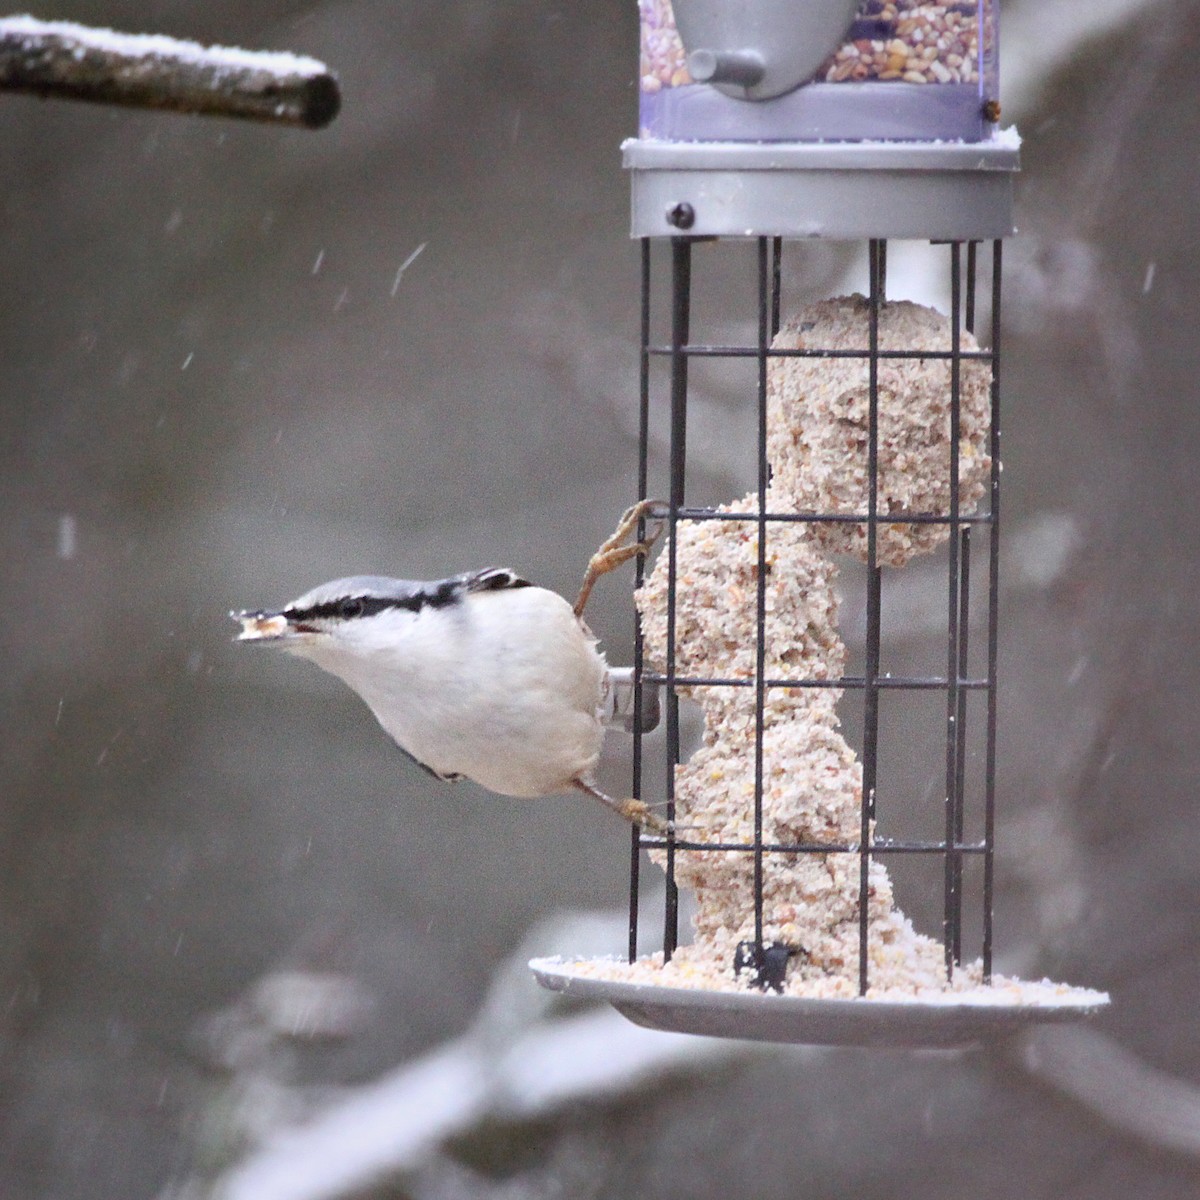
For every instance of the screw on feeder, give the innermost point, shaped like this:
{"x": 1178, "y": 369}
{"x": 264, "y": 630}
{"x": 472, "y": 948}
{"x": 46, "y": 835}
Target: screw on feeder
{"x": 681, "y": 215}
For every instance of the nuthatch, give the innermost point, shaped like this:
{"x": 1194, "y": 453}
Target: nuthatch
{"x": 480, "y": 676}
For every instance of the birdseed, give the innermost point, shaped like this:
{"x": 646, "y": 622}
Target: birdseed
{"x": 902, "y": 41}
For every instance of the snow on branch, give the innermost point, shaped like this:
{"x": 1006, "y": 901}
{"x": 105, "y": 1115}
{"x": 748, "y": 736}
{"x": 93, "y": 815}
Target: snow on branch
{"x": 1135, "y": 1099}
{"x": 60, "y": 58}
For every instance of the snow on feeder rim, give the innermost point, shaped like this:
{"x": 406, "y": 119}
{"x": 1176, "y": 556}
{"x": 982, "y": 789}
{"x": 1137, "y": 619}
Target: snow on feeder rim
{"x": 927, "y": 1019}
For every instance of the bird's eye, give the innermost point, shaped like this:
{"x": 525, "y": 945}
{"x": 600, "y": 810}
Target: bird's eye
{"x": 352, "y": 606}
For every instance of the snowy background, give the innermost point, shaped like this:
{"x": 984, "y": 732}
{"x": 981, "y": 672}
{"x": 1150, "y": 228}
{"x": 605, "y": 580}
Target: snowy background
{"x": 244, "y": 945}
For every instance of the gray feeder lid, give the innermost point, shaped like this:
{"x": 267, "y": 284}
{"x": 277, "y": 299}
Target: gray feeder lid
{"x": 955, "y": 1021}
{"x": 850, "y": 190}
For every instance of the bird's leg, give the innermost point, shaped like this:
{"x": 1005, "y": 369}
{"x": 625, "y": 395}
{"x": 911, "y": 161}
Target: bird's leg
{"x": 634, "y": 811}
{"x": 614, "y": 551}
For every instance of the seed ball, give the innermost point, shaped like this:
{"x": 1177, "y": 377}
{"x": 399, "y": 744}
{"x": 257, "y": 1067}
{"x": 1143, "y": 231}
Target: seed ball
{"x": 818, "y": 439}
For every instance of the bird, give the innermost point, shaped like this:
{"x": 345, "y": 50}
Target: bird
{"x": 482, "y": 675}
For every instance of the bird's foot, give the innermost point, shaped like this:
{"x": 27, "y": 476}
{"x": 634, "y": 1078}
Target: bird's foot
{"x": 616, "y": 550}
{"x": 636, "y": 812}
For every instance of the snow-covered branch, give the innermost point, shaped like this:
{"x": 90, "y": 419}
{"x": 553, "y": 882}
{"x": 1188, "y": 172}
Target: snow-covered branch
{"x": 1134, "y": 1098}
{"x": 59, "y": 58}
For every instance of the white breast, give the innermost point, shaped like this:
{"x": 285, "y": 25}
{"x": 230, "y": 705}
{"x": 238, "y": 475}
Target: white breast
{"x": 505, "y": 688}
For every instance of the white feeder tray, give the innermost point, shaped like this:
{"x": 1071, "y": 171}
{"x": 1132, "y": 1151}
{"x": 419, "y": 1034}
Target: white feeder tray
{"x": 950, "y": 1020}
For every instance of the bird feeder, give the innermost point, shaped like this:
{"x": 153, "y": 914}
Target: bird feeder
{"x": 877, "y": 430}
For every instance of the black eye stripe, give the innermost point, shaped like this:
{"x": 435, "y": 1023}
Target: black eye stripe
{"x": 350, "y": 607}
{"x": 440, "y": 594}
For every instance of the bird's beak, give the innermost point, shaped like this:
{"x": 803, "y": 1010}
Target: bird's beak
{"x": 264, "y": 627}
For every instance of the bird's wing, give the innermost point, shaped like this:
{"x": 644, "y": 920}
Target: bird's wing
{"x": 494, "y": 579}
{"x": 491, "y": 579}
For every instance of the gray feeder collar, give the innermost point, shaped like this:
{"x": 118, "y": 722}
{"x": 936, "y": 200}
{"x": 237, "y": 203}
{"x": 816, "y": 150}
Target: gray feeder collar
{"x": 960, "y": 190}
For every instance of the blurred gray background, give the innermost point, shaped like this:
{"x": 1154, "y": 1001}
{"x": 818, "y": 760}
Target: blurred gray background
{"x": 227, "y": 900}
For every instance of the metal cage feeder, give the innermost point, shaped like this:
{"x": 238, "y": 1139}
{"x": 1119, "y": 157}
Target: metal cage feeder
{"x": 878, "y": 437}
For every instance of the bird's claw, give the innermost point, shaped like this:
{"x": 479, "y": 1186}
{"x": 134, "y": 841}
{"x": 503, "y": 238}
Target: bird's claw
{"x": 616, "y": 550}
{"x": 638, "y": 813}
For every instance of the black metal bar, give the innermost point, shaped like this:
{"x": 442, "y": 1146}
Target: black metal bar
{"x": 877, "y": 254}
{"x": 700, "y": 350}
{"x": 960, "y": 751}
{"x": 643, "y": 483}
{"x": 964, "y": 604}
{"x": 854, "y": 682}
{"x": 899, "y": 518}
{"x": 877, "y": 846}
{"x": 969, "y": 317}
{"x": 989, "y": 812}
{"x": 681, "y": 287}
{"x": 767, "y": 312}
{"x": 776, "y": 284}
{"x": 952, "y": 909}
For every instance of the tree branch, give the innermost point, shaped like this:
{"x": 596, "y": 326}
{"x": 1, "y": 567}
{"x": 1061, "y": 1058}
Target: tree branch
{"x": 1098, "y": 1073}
{"x": 58, "y": 58}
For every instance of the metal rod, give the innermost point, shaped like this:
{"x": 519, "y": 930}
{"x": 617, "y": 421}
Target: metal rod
{"x": 877, "y": 253}
{"x": 896, "y": 682}
{"x": 776, "y": 284}
{"x": 643, "y": 483}
{"x": 989, "y": 811}
{"x": 876, "y": 846}
{"x": 700, "y": 350}
{"x": 969, "y": 317}
{"x": 951, "y": 911}
{"x": 681, "y": 286}
{"x": 767, "y": 311}
{"x": 960, "y": 751}
{"x": 897, "y": 518}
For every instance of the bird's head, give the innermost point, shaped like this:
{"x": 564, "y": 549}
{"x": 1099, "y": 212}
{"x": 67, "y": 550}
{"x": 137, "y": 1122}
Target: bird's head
{"x": 354, "y": 617}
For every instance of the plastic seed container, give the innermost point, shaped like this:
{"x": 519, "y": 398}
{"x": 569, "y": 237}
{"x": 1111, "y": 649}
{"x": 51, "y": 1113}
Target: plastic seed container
{"x": 888, "y": 70}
